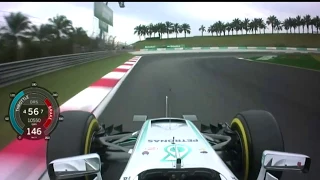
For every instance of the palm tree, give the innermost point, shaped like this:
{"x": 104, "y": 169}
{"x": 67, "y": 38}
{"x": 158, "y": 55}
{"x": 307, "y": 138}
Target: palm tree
{"x": 245, "y": 25}
{"x": 202, "y": 29}
{"x": 255, "y": 25}
{"x": 161, "y": 29}
{"x": 232, "y": 27}
{"x": 252, "y": 26}
{"x": 144, "y": 31}
{"x": 168, "y": 28}
{"x": 150, "y": 29}
{"x": 154, "y": 30}
{"x": 44, "y": 33}
{"x": 228, "y": 28}
{"x": 79, "y": 31}
{"x": 158, "y": 29}
{"x": 62, "y": 25}
{"x": 236, "y": 23}
{"x": 313, "y": 23}
{"x": 241, "y": 27}
{"x": 17, "y": 32}
{"x": 186, "y": 29}
{"x": 211, "y": 29}
{"x": 298, "y": 22}
{"x": 138, "y": 30}
{"x": 177, "y": 29}
{"x": 291, "y": 22}
{"x": 303, "y": 24}
{"x": 278, "y": 28}
{"x": 220, "y": 27}
{"x": 271, "y": 20}
{"x": 317, "y": 23}
{"x": 223, "y": 28}
{"x": 294, "y": 24}
{"x": 286, "y": 25}
{"x": 307, "y": 19}
{"x": 216, "y": 28}
{"x": 79, "y": 36}
{"x": 259, "y": 23}
{"x": 277, "y": 25}
{"x": 262, "y": 25}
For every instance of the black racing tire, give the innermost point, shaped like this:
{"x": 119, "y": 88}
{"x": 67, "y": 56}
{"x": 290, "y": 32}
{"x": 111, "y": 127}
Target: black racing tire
{"x": 258, "y": 131}
{"x": 72, "y": 136}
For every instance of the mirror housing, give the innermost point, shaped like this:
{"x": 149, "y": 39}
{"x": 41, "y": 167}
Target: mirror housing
{"x": 76, "y": 166}
{"x": 282, "y": 161}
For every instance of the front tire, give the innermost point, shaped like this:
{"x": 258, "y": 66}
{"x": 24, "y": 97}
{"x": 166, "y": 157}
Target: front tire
{"x": 73, "y": 136}
{"x": 258, "y": 131}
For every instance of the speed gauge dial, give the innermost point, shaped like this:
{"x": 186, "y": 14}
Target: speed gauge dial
{"x": 34, "y": 113}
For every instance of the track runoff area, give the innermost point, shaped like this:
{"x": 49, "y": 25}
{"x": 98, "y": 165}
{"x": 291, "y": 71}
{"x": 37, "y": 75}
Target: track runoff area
{"x": 214, "y": 87}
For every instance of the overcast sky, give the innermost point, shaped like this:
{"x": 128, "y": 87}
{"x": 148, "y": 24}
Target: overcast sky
{"x": 135, "y": 13}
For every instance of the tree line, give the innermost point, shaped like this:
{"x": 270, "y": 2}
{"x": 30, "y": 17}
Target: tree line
{"x": 21, "y": 39}
{"x": 220, "y": 28}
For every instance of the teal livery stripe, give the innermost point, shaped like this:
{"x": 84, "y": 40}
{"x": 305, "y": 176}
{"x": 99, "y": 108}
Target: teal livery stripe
{"x": 143, "y": 134}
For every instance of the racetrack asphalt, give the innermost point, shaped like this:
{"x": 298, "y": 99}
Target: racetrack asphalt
{"x": 215, "y": 86}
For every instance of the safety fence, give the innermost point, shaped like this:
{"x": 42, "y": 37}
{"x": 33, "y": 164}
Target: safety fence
{"x": 21, "y": 70}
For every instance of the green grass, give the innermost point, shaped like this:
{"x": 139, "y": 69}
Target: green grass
{"x": 308, "y": 61}
{"x": 271, "y": 40}
{"x": 66, "y": 82}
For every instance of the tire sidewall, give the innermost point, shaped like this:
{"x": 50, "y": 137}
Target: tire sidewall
{"x": 263, "y": 133}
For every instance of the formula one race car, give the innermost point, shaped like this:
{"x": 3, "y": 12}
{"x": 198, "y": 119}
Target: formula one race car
{"x": 250, "y": 147}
